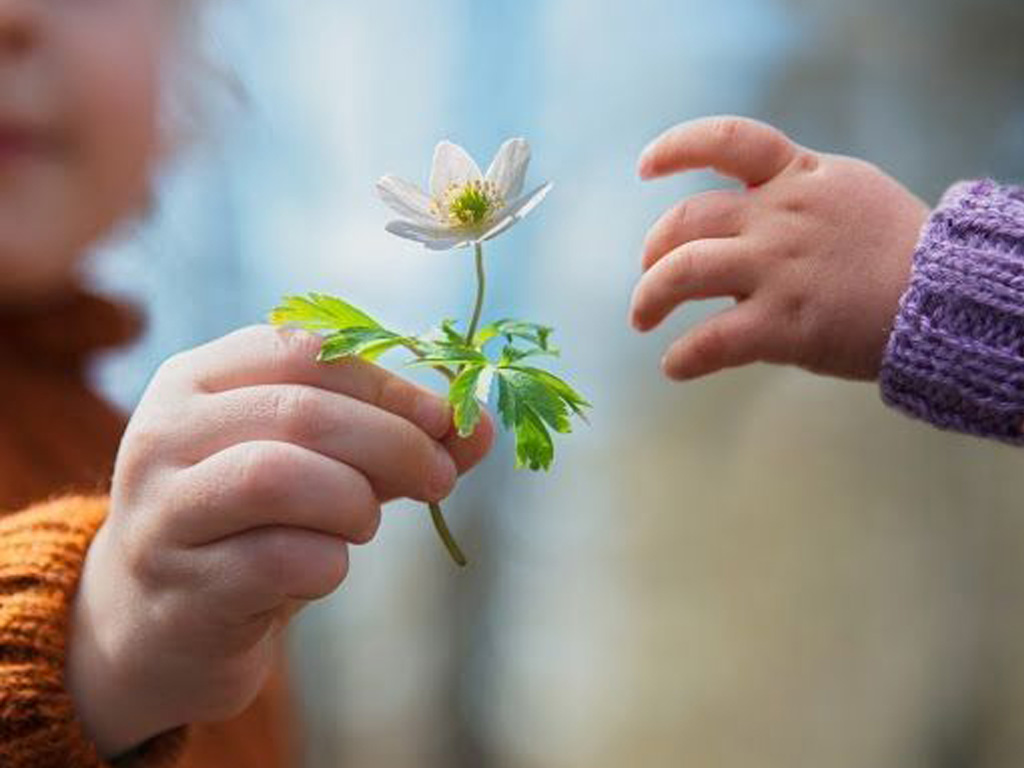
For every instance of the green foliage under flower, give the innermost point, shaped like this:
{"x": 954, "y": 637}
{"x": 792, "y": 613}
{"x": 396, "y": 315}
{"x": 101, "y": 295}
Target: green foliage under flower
{"x": 531, "y": 402}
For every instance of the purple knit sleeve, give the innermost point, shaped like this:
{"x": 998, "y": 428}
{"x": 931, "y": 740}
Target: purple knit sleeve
{"x": 956, "y": 354}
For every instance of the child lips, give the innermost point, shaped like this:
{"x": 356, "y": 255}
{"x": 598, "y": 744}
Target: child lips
{"x": 21, "y": 140}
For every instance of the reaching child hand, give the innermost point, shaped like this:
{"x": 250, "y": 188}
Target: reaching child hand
{"x": 817, "y": 251}
{"x": 243, "y": 475}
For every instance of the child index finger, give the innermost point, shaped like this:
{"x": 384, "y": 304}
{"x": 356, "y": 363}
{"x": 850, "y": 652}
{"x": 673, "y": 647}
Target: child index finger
{"x": 263, "y": 355}
{"x": 738, "y": 147}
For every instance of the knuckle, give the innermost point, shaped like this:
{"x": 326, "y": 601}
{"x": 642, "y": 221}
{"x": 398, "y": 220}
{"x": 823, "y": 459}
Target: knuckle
{"x": 713, "y": 209}
{"x": 679, "y": 218}
{"x": 796, "y": 205}
{"x": 806, "y": 161}
{"x": 726, "y": 130}
{"x": 143, "y": 443}
{"x": 177, "y": 367}
{"x": 393, "y": 394}
{"x": 686, "y": 264}
{"x": 138, "y": 553}
{"x": 143, "y": 437}
{"x": 794, "y": 306}
{"x": 261, "y": 469}
{"x": 294, "y": 411}
{"x": 797, "y": 318}
{"x": 789, "y": 244}
{"x": 141, "y": 542}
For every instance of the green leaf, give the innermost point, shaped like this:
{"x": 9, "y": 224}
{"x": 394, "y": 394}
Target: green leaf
{"x": 446, "y": 353}
{"x": 534, "y": 395}
{"x": 534, "y": 333}
{"x": 528, "y": 407}
{"x": 320, "y": 312}
{"x": 368, "y": 343}
{"x": 534, "y": 448}
{"x": 451, "y": 335}
{"x": 464, "y": 396}
{"x": 531, "y": 402}
{"x": 511, "y": 355}
{"x": 570, "y": 396}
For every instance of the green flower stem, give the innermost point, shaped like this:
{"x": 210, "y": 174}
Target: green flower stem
{"x": 481, "y": 288}
{"x": 446, "y": 536}
{"x": 435, "y": 509}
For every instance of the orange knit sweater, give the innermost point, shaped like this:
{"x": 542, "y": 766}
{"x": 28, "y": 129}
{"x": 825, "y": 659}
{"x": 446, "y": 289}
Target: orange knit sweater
{"x": 57, "y": 444}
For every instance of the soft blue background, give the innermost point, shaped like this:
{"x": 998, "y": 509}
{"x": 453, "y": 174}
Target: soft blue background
{"x": 763, "y": 569}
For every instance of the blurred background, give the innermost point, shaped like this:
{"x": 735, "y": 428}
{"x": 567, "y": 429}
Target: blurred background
{"x": 763, "y": 569}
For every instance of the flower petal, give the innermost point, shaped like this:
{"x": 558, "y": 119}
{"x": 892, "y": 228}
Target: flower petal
{"x": 405, "y": 199}
{"x": 517, "y": 211}
{"x": 435, "y": 238}
{"x": 452, "y": 165}
{"x": 508, "y": 170}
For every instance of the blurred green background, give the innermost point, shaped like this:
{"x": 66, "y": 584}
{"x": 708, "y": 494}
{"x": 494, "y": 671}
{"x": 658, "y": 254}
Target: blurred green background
{"x": 762, "y": 569}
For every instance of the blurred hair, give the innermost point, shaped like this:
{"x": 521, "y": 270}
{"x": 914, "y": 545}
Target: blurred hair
{"x": 198, "y": 90}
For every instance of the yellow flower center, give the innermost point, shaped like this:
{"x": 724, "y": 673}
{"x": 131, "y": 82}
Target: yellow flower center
{"x": 469, "y": 204}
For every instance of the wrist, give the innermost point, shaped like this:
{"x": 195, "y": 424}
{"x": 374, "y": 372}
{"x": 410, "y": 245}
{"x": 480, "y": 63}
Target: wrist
{"x": 110, "y": 700}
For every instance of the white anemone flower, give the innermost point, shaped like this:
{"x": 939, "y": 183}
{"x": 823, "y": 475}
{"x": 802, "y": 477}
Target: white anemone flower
{"x": 464, "y": 206}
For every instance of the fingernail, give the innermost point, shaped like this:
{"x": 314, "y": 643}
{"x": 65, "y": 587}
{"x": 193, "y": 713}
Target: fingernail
{"x": 434, "y": 415}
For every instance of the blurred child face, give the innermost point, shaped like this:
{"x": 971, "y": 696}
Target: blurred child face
{"x": 78, "y": 129}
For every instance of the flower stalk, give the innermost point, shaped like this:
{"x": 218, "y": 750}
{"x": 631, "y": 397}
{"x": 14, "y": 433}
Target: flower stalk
{"x": 481, "y": 288}
{"x": 446, "y": 536}
{"x": 435, "y": 509}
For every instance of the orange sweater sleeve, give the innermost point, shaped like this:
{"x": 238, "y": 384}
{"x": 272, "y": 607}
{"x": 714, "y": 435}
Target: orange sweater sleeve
{"x": 42, "y": 550}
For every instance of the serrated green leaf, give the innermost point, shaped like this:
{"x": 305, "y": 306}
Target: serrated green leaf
{"x": 320, "y": 312}
{"x": 535, "y": 449}
{"x": 446, "y": 353}
{"x": 463, "y": 397}
{"x": 368, "y": 343}
{"x": 570, "y": 396}
{"x": 532, "y": 393}
{"x": 528, "y": 407}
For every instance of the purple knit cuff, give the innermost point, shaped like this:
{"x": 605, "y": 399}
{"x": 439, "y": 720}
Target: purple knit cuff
{"x": 956, "y": 354}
